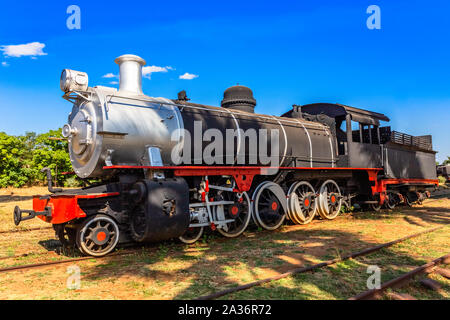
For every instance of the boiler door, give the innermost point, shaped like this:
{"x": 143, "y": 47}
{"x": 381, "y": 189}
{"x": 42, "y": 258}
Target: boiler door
{"x": 81, "y": 132}
{"x": 84, "y": 143}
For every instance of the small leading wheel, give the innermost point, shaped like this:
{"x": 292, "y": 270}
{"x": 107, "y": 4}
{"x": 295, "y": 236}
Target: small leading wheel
{"x": 191, "y": 235}
{"x": 330, "y": 200}
{"x": 302, "y": 205}
{"x": 240, "y": 211}
{"x": 269, "y": 212}
{"x": 98, "y": 235}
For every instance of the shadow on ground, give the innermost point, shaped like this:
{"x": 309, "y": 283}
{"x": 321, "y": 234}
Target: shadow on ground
{"x": 223, "y": 263}
{"x": 418, "y": 215}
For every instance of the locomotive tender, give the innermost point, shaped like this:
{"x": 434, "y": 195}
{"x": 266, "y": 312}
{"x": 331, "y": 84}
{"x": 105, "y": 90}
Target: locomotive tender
{"x": 444, "y": 171}
{"x": 157, "y": 184}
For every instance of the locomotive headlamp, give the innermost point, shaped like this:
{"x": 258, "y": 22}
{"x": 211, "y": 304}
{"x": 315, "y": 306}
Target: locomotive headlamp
{"x": 67, "y": 131}
{"x": 72, "y": 80}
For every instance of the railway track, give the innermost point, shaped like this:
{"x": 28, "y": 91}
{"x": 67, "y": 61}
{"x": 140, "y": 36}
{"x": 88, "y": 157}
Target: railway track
{"x": 24, "y": 230}
{"x": 313, "y": 267}
{"x": 24, "y": 255}
{"x": 427, "y": 268}
{"x": 60, "y": 262}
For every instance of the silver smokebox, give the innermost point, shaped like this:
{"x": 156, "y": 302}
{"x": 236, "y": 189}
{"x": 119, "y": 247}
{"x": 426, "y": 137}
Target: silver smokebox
{"x": 130, "y": 78}
{"x": 125, "y": 127}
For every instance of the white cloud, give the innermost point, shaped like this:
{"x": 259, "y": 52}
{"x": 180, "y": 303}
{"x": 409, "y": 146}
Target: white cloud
{"x": 30, "y": 49}
{"x": 188, "y": 76}
{"x": 5, "y": 64}
{"x": 110, "y": 75}
{"x": 114, "y": 82}
{"x": 147, "y": 71}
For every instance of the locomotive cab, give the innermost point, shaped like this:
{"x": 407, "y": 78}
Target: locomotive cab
{"x": 363, "y": 143}
{"x": 357, "y": 132}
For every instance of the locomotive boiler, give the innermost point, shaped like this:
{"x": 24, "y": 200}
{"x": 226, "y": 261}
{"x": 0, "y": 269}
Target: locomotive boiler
{"x": 126, "y": 127}
{"x": 169, "y": 168}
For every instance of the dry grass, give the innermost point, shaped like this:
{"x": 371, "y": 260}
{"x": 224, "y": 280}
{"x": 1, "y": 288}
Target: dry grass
{"x": 11, "y": 197}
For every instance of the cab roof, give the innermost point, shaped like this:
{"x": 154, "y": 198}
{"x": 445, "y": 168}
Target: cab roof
{"x": 335, "y": 110}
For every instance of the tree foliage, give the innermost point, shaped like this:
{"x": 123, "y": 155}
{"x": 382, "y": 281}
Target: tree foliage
{"x": 15, "y": 164}
{"x": 23, "y": 157}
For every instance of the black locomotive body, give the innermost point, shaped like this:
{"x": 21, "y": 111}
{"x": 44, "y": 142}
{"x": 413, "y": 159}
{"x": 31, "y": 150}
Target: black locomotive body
{"x": 444, "y": 171}
{"x": 165, "y": 174}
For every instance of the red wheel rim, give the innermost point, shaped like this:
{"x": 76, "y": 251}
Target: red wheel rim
{"x": 274, "y": 206}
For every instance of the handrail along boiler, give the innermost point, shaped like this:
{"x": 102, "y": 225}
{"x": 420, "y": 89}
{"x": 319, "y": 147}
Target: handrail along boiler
{"x": 329, "y": 155}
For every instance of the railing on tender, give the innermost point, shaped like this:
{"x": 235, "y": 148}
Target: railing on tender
{"x": 422, "y": 142}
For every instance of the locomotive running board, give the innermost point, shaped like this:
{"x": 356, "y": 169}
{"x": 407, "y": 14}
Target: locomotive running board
{"x": 243, "y": 175}
{"x": 57, "y": 208}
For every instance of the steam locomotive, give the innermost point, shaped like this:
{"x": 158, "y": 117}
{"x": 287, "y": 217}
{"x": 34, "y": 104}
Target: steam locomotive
{"x": 444, "y": 171}
{"x": 171, "y": 168}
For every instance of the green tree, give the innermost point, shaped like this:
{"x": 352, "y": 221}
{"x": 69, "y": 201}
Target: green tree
{"x": 50, "y": 150}
{"x": 23, "y": 157}
{"x": 15, "y": 163}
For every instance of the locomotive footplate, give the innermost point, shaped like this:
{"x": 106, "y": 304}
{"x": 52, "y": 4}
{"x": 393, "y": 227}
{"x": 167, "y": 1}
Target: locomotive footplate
{"x": 57, "y": 208}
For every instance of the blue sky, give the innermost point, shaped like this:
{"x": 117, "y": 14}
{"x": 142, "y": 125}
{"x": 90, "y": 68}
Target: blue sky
{"x": 287, "y": 52}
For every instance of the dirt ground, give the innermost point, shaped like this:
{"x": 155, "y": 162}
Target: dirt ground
{"x": 174, "y": 271}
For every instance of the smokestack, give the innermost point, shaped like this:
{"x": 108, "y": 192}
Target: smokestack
{"x": 130, "y": 78}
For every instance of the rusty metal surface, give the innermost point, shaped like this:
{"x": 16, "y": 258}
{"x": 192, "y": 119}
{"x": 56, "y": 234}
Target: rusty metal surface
{"x": 443, "y": 272}
{"x": 25, "y": 230}
{"x": 397, "y": 282}
{"x": 400, "y": 296}
{"x": 430, "y": 284}
{"x": 50, "y": 263}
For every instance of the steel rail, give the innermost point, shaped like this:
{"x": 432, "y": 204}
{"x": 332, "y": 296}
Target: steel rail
{"x": 131, "y": 248}
{"x": 24, "y": 230}
{"x": 397, "y": 282}
{"x": 313, "y": 267}
{"x": 23, "y": 255}
{"x": 49, "y": 263}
